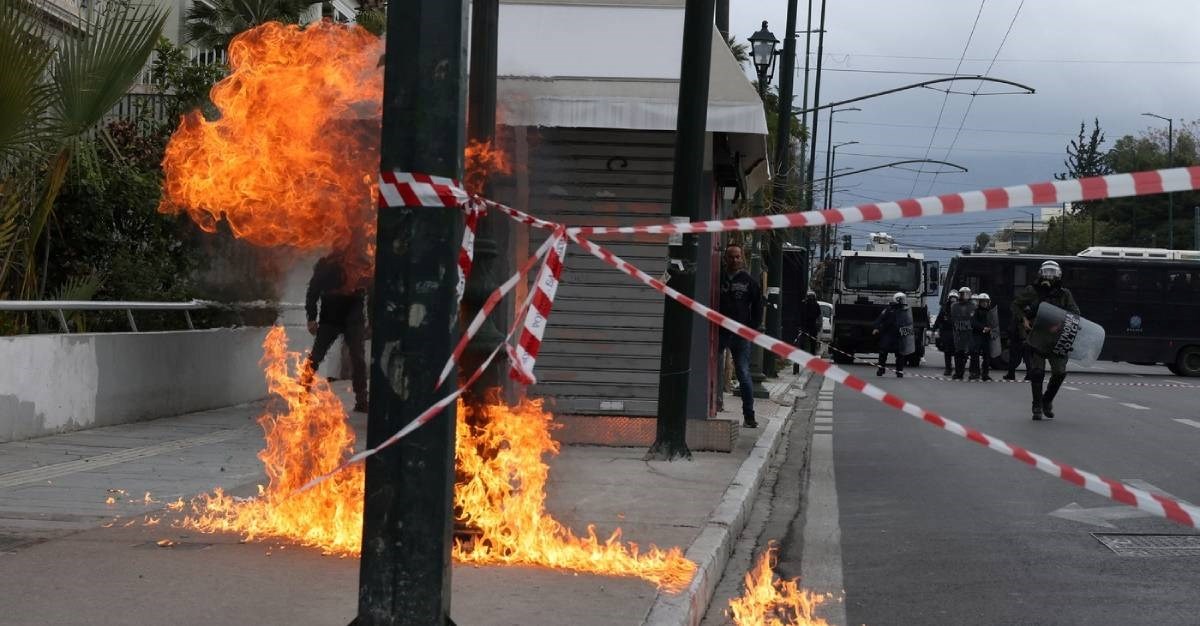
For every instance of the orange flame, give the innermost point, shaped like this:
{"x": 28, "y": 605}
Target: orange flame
{"x": 503, "y": 495}
{"x": 308, "y": 438}
{"x": 482, "y": 161}
{"x": 770, "y": 602}
{"x": 292, "y": 158}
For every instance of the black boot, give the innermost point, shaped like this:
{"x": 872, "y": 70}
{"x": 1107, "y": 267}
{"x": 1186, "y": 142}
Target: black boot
{"x": 1035, "y": 388}
{"x": 985, "y": 370}
{"x": 1056, "y": 381}
{"x": 1011, "y": 375}
{"x": 949, "y": 366}
{"x": 960, "y": 364}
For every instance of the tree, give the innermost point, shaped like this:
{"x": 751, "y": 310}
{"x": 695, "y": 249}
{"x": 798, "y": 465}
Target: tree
{"x": 981, "y": 241}
{"x": 55, "y": 89}
{"x": 1085, "y": 157}
{"x": 215, "y": 23}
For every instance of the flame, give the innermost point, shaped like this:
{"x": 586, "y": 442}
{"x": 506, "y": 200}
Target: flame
{"x": 110, "y": 500}
{"x": 481, "y": 162}
{"x": 770, "y": 602}
{"x": 291, "y": 161}
{"x": 308, "y": 437}
{"x": 504, "y": 496}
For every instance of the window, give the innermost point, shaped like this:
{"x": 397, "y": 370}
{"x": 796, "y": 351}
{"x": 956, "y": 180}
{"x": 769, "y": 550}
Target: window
{"x": 882, "y": 274}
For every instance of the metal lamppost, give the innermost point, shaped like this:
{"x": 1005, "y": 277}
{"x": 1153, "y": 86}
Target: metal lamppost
{"x": 1170, "y": 163}
{"x": 825, "y": 230}
{"x": 762, "y": 50}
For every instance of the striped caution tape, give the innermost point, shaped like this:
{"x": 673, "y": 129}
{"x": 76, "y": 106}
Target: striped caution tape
{"x": 1161, "y": 506}
{"x": 1047, "y": 193}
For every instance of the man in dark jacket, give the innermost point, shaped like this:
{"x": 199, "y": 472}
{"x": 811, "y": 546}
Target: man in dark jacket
{"x": 894, "y": 326}
{"x": 810, "y": 323}
{"x": 334, "y": 305}
{"x": 741, "y": 300}
{"x": 1048, "y": 288}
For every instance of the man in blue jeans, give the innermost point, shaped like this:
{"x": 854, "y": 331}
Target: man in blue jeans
{"x": 741, "y": 300}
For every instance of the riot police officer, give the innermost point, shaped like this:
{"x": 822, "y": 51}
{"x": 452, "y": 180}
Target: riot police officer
{"x": 983, "y": 335}
{"x": 1048, "y": 288}
{"x": 894, "y": 326}
{"x": 961, "y": 315}
{"x": 945, "y": 332}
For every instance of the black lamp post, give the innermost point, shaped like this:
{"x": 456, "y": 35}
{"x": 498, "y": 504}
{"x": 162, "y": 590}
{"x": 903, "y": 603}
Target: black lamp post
{"x": 762, "y": 49}
{"x": 1170, "y": 163}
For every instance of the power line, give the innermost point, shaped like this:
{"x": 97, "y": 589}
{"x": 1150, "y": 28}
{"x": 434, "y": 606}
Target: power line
{"x": 946, "y": 96}
{"x": 971, "y": 102}
{"x": 972, "y": 130}
{"x": 849, "y": 55}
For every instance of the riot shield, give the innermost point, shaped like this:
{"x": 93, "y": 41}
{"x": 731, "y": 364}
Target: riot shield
{"x": 1056, "y": 331}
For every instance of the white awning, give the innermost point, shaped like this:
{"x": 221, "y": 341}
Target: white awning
{"x": 606, "y": 66}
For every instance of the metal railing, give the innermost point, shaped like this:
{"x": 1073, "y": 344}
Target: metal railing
{"x": 58, "y": 306}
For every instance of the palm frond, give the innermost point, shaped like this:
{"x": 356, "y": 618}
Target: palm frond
{"x": 24, "y": 97}
{"x": 92, "y": 72}
{"x": 79, "y": 288}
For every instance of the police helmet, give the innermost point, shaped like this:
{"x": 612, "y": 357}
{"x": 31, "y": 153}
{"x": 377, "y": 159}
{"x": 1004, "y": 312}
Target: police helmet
{"x": 898, "y": 297}
{"x": 964, "y": 293}
{"x": 983, "y": 297}
{"x": 1051, "y": 270}
{"x": 953, "y": 296}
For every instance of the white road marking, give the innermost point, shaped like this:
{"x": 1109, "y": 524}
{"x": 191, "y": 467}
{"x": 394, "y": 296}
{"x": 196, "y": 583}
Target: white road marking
{"x": 824, "y": 420}
{"x": 1070, "y": 388}
{"x": 821, "y": 563}
{"x": 1192, "y": 423}
{"x": 1135, "y": 406}
{"x": 1100, "y": 395}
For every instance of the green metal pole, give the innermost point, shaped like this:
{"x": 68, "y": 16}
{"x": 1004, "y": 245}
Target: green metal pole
{"x": 670, "y": 441}
{"x": 404, "y": 574}
{"x": 783, "y": 160}
{"x": 812, "y": 157}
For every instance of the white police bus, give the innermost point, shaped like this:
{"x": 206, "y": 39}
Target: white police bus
{"x": 1147, "y": 299}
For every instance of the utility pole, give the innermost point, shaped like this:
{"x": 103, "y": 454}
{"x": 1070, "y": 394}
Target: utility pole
{"x": 1196, "y": 228}
{"x": 783, "y": 154}
{"x": 404, "y": 573}
{"x": 812, "y": 156}
{"x": 806, "y": 190}
{"x": 670, "y": 439}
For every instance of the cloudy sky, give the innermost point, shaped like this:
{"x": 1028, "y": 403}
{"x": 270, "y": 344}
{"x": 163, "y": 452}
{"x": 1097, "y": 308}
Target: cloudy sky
{"x": 1086, "y": 59}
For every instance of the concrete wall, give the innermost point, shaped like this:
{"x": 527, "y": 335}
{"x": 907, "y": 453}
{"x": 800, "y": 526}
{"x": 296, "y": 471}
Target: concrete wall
{"x": 57, "y": 383}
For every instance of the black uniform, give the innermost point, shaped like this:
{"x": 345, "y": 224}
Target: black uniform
{"x": 983, "y": 328}
{"x": 1024, "y": 307}
{"x": 895, "y": 328}
{"x": 945, "y": 336}
{"x": 961, "y": 315}
{"x": 336, "y": 301}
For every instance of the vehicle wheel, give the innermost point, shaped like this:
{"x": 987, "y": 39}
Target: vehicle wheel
{"x": 1174, "y": 370}
{"x": 840, "y": 357}
{"x": 1188, "y": 362}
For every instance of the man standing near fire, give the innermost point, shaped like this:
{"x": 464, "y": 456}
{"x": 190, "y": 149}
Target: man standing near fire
{"x": 335, "y": 304}
{"x": 741, "y": 300}
{"x": 1048, "y": 288}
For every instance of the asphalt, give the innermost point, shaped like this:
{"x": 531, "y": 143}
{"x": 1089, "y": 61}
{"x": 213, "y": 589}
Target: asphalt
{"x": 67, "y": 556}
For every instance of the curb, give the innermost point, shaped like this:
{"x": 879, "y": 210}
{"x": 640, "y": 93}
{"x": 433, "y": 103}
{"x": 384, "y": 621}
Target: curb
{"x": 713, "y": 547}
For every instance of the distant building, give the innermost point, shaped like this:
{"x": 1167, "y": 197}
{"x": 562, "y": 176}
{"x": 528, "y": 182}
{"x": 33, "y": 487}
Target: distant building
{"x": 1020, "y": 235}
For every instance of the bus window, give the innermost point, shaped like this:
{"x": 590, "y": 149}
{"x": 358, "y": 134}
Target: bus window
{"x": 1141, "y": 284}
{"x": 1183, "y": 286}
{"x": 1020, "y": 276}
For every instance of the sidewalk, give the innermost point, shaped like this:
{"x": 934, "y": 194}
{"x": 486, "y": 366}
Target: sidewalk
{"x": 59, "y": 564}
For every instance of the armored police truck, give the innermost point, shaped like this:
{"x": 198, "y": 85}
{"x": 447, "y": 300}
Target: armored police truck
{"x": 861, "y": 283}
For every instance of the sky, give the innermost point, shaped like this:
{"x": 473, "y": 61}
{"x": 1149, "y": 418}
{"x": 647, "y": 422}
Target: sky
{"x": 1085, "y": 59}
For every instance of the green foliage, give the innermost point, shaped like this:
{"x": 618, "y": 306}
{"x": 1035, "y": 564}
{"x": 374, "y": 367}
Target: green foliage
{"x": 215, "y": 24}
{"x": 981, "y": 241}
{"x": 188, "y": 83}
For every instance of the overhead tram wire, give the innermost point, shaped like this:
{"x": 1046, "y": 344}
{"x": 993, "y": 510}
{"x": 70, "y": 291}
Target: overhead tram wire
{"x": 971, "y": 102}
{"x": 946, "y": 97}
{"x": 1055, "y": 61}
{"x": 971, "y": 130}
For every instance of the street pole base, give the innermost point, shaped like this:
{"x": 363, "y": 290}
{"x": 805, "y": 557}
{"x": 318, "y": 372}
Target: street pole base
{"x": 668, "y": 451}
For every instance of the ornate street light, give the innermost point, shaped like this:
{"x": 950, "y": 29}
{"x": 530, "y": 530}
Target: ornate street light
{"x": 762, "y": 49}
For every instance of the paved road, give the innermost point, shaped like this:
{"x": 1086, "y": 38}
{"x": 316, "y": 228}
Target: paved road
{"x": 938, "y": 530}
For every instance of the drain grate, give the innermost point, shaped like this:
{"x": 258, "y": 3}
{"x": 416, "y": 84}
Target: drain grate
{"x": 1150, "y": 545}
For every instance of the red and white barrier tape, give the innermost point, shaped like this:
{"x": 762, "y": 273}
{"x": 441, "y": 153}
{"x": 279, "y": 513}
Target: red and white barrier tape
{"x": 1055, "y": 192}
{"x": 408, "y": 189}
{"x": 1155, "y": 504}
{"x": 490, "y": 304}
{"x": 427, "y": 414}
{"x": 525, "y": 354}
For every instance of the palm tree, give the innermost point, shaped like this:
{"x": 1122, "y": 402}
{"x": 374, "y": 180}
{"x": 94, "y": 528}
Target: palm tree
{"x": 214, "y": 23}
{"x": 54, "y": 91}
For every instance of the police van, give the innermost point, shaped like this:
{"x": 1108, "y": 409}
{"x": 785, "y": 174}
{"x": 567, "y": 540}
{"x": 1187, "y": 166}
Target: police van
{"x": 1148, "y": 302}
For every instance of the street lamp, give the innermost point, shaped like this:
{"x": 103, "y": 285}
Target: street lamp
{"x": 825, "y": 241}
{"x": 1170, "y": 163}
{"x": 762, "y": 49}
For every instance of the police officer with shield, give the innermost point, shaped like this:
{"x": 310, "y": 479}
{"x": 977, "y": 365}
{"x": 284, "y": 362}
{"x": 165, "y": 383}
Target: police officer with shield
{"x": 1045, "y": 329}
{"x": 961, "y": 314}
{"x": 894, "y": 326}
